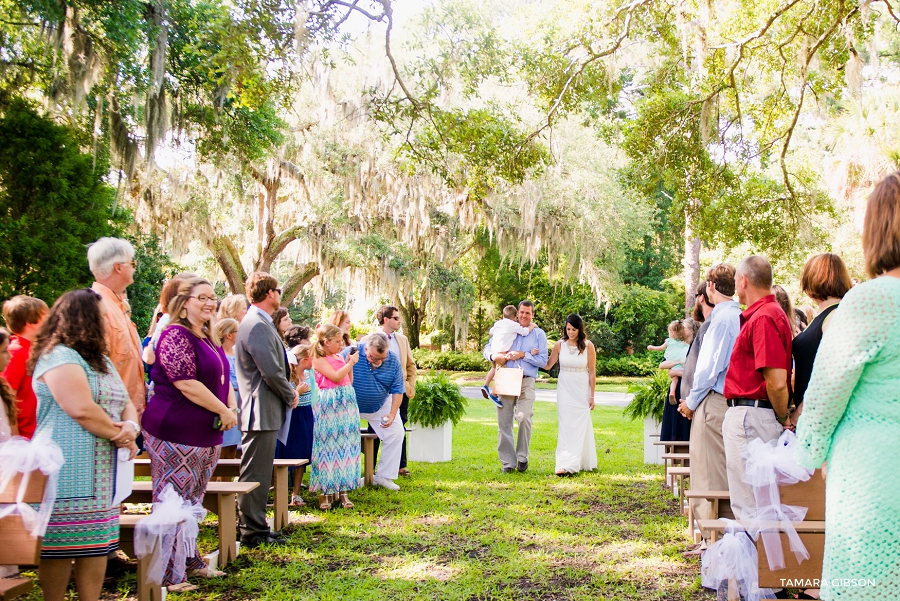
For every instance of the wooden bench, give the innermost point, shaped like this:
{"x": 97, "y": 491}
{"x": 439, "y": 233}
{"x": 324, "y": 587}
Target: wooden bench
{"x": 679, "y": 473}
{"x": 720, "y": 501}
{"x": 809, "y": 494}
{"x": 231, "y": 468}
{"x": 145, "y": 591}
{"x": 19, "y": 547}
{"x": 219, "y": 499}
{"x": 676, "y": 460}
{"x": 367, "y": 441}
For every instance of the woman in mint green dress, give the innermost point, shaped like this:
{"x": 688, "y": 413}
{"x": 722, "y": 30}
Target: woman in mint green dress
{"x": 850, "y": 423}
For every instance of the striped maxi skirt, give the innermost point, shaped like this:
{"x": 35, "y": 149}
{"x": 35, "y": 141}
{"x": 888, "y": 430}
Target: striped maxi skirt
{"x": 335, "y": 450}
{"x": 188, "y": 469}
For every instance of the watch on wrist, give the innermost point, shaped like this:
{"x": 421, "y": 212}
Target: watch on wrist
{"x": 781, "y": 420}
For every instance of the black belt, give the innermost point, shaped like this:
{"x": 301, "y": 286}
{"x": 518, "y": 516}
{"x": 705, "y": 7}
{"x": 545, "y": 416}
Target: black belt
{"x": 749, "y": 403}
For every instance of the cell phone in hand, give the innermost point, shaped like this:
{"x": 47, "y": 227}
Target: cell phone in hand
{"x": 217, "y": 423}
{"x": 353, "y": 350}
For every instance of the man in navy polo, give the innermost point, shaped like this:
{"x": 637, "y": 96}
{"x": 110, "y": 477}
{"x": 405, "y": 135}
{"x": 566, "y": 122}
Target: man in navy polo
{"x": 522, "y": 406}
{"x": 379, "y": 387}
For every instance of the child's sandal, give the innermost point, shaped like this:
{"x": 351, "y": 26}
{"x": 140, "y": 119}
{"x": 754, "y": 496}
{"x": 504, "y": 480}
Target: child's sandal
{"x": 324, "y": 502}
{"x": 345, "y": 501}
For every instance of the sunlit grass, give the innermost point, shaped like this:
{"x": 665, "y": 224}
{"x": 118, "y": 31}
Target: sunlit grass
{"x": 464, "y": 531}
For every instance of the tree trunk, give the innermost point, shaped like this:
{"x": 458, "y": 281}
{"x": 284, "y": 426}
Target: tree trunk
{"x": 691, "y": 264}
{"x": 297, "y": 280}
{"x": 229, "y": 260}
{"x": 413, "y": 315}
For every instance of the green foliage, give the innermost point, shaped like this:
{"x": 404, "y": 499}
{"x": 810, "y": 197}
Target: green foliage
{"x": 437, "y": 401}
{"x": 451, "y": 361}
{"x": 637, "y": 365}
{"x": 650, "y": 399}
{"x": 607, "y": 341}
{"x": 154, "y": 267}
{"x": 441, "y": 337}
{"x": 642, "y": 316}
{"x": 52, "y": 203}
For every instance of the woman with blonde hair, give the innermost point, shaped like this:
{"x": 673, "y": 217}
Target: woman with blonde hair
{"x": 341, "y": 319}
{"x": 335, "y": 450}
{"x": 192, "y": 405}
{"x": 226, "y": 330}
{"x": 850, "y": 413}
{"x": 300, "y": 435}
{"x": 234, "y": 306}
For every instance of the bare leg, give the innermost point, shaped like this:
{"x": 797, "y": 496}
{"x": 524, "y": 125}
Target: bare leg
{"x": 89, "y": 573}
{"x": 490, "y": 376}
{"x": 54, "y": 577}
{"x": 298, "y": 478}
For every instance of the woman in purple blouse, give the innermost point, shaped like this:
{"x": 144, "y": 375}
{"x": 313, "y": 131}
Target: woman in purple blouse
{"x": 192, "y": 404}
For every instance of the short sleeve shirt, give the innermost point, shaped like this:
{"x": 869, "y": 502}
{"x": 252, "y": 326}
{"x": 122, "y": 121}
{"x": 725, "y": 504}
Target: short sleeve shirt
{"x": 374, "y": 385}
{"x": 17, "y": 376}
{"x": 764, "y": 341}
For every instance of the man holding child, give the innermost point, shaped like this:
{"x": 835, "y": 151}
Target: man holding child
{"x": 528, "y": 352}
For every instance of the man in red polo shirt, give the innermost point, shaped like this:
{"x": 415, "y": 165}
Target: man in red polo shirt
{"x": 23, "y": 315}
{"x": 756, "y": 385}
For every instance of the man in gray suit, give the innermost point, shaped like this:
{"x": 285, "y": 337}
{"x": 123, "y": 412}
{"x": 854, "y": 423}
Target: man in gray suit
{"x": 266, "y": 394}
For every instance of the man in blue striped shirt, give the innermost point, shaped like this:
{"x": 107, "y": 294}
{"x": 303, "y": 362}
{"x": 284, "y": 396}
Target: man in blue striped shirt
{"x": 379, "y": 387}
{"x": 521, "y": 406}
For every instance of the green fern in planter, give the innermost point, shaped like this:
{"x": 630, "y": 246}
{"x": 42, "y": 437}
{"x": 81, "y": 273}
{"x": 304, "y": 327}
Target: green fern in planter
{"x": 437, "y": 400}
{"x": 650, "y": 399}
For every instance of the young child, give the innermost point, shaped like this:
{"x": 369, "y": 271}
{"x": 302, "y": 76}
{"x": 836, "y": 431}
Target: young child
{"x": 676, "y": 348}
{"x": 503, "y": 334}
{"x": 24, "y": 316}
{"x": 335, "y": 449}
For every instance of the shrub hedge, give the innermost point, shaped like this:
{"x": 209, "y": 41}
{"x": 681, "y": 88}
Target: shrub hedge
{"x": 638, "y": 365}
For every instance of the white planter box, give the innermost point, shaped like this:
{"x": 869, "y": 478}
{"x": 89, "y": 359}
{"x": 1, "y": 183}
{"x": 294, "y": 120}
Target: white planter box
{"x": 652, "y": 453}
{"x": 430, "y": 445}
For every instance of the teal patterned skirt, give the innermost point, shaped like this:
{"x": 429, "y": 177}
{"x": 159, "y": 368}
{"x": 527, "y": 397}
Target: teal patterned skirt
{"x": 335, "y": 450}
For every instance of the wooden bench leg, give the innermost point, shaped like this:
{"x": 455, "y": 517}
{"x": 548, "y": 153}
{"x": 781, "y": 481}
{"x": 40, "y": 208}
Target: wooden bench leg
{"x": 369, "y": 465}
{"x": 145, "y": 590}
{"x": 227, "y": 526}
{"x": 280, "y": 481}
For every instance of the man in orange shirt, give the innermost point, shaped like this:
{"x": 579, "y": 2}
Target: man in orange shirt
{"x": 112, "y": 262}
{"x": 23, "y": 315}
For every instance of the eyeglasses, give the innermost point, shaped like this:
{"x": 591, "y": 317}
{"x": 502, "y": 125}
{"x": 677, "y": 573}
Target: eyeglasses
{"x": 206, "y": 299}
{"x": 397, "y": 317}
{"x": 278, "y": 290}
{"x": 133, "y": 263}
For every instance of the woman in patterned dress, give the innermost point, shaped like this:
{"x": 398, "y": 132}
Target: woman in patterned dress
{"x": 851, "y": 418}
{"x": 335, "y": 452}
{"x": 84, "y": 404}
{"x": 192, "y": 404}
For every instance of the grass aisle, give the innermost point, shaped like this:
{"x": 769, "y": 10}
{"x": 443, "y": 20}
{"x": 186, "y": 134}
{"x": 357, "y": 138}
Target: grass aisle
{"x": 463, "y": 530}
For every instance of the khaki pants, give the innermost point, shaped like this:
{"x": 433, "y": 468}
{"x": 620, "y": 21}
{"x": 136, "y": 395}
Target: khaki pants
{"x": 707, "y": 452}
{"x": 509, "y": 451}
{"x": 741, "y": 425}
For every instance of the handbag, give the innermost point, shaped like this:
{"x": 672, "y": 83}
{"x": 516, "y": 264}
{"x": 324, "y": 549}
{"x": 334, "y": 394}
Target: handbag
{"x": 508, "y": 381}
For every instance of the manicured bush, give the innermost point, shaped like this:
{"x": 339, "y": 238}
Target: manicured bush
{"x": 642, "y": 364}
{"x": 437, "y": 401}
{"x": 451, "y": 361}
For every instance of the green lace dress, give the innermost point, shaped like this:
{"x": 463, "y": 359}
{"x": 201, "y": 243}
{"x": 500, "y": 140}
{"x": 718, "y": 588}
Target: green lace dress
{"x": 83, "y": 522}
{"x": 851, "y": 418}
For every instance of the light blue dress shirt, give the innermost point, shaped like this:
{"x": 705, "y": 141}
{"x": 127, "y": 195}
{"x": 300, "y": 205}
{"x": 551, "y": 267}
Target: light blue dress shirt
{"x": 715, "y": 352}
{"x": 529, "y": 363}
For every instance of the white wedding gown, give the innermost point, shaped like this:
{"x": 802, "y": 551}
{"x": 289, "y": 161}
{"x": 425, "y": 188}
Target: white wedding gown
{"x": 575, "y": 448}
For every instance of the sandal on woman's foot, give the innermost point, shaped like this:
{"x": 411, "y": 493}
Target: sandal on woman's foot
{"x": 207, "y": 572}
{"x": 345, "y": 501}
{"x": 182, "y": 587}
{"x": 297, "y": 501}
{"x": 324, "y": 502}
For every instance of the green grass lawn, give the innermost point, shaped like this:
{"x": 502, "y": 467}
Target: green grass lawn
{"x": 464, "y": 531}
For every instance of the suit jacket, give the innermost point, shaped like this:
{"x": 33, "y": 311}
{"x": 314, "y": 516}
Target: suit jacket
{"x": 263, "y": 374}
{"x": 407, "y": 363}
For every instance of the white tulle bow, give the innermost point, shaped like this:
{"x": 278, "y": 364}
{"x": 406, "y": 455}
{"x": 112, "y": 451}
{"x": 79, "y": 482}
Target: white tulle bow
{"x": 768, "y": 464}
{"x": 161, "y": 529}
{"x": 733, "y": 558}
{"x": 22, "y": 456}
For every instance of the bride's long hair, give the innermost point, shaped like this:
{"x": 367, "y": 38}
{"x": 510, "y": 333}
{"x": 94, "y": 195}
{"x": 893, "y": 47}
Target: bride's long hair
{"x": 576, "y": 322}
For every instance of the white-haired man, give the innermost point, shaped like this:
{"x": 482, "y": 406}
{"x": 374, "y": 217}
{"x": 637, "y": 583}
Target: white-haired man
{"x": 112, "y": 262}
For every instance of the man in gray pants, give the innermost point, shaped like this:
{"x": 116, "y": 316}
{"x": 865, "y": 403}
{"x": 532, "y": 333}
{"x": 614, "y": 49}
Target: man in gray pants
{"x": 519, "y": 407}
{"x": 266, "y": 395}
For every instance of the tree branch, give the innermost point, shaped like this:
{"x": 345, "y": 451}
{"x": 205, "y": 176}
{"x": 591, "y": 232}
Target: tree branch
{"x": 297, "y": 280}
{"x": 229, "y": 261}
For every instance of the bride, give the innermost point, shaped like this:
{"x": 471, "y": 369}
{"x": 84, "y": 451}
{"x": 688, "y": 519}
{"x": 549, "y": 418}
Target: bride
{"x": 575, "y": 449}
